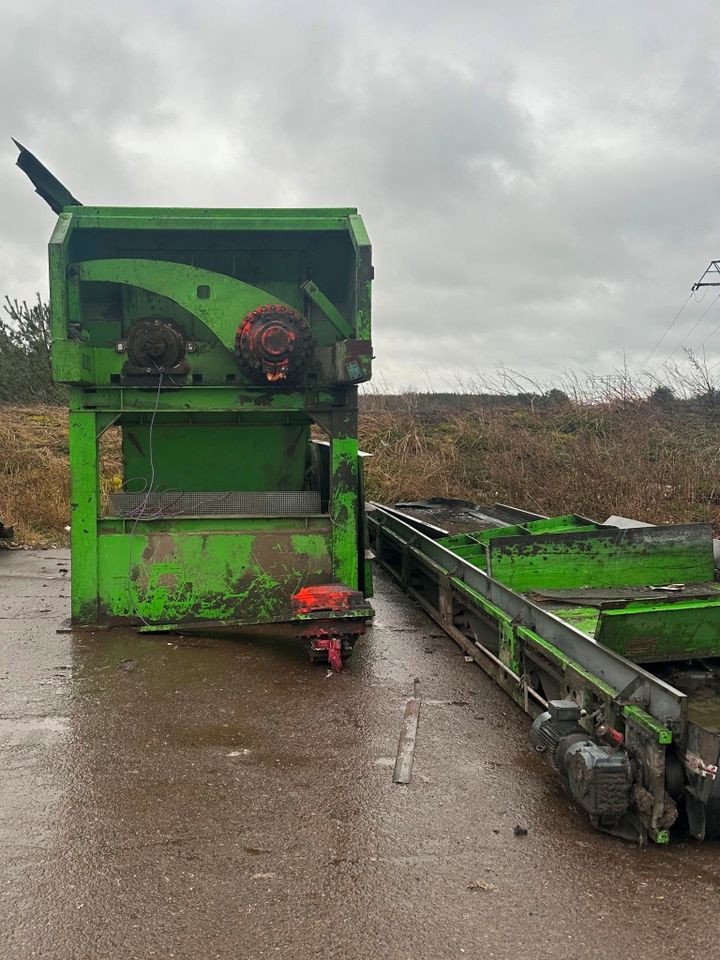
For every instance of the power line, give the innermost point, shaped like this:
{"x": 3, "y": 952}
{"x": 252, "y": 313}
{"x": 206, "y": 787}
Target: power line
{"x": 709, "y": 337}
{"x": 694, "y": 328}
{"x": 668, "y": 329}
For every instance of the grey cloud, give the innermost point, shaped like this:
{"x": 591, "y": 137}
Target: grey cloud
{"x": 539, "y": 180}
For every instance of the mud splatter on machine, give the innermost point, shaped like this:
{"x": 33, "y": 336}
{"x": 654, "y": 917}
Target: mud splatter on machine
{"x": 215, "y": 340}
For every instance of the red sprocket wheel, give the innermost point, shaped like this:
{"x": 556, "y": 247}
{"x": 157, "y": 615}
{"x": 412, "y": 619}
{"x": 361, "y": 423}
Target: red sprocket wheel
{"x": 273, "y": 342}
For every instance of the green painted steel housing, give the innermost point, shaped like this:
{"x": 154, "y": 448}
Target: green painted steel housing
{"x": 241, "y": 481}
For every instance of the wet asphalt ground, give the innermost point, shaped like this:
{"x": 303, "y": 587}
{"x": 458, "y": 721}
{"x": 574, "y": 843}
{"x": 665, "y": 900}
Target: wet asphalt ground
{"x": 204, "y": 797}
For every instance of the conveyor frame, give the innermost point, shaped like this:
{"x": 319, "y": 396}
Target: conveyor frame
{"x": 514, "y": 640}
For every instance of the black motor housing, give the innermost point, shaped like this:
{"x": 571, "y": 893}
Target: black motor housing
{"x": 561, "y": 719}
{"x": 599, "y": 777}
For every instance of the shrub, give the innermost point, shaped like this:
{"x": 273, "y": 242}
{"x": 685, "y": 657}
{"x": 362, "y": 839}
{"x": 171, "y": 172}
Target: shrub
{"x": 25, "y": 372}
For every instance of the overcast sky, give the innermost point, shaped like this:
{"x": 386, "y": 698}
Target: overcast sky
{"x": 539, "y": 180}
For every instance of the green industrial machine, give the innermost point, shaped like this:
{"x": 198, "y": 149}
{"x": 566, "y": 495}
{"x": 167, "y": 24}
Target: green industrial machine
{"x": 607, "y": 634}
{"x": 226, "y": 345}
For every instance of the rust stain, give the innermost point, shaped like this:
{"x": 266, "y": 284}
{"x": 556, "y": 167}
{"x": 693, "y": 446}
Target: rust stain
{"x": 160, "y": 548}
{"x": 168, "y": 580}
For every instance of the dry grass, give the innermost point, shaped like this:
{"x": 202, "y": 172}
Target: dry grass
{"x": 34, "y": 486}
{"x": 34, "y": 475}
{"x": 634, "y": 458}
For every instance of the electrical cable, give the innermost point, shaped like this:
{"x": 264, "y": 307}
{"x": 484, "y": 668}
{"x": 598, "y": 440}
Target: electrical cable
{"x": 691, "y": 331}
{"x": 165, "y": 511}
{"x": 709, "y": 337}
{"x": 143, "y": 506}
{"x": 668, "y": 329}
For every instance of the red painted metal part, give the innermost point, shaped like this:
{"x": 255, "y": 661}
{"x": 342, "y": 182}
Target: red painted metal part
{"x": 334, "y": 650}
{"x": 330, "y": 634}
{"x": 273, "y": 340}
{"x": 332, "y": 596}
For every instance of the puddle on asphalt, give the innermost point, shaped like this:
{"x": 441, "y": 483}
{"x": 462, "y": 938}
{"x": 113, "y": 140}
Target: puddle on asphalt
{"x": 22, "y": 729}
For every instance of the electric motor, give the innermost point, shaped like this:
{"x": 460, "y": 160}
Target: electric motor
{"x": 599, "y": 777}
{"x": 561, "y": 719}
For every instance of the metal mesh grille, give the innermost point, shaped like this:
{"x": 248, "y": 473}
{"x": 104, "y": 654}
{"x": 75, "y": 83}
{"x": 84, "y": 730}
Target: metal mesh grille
{"x": 215, "y": 503}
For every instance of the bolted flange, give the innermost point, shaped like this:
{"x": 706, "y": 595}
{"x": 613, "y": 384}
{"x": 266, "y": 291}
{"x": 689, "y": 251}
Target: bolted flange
{"x": 273, "y": 342}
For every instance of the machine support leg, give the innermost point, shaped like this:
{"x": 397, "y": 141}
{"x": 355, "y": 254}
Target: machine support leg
{"x": 344, "y": 509}
{"x": 84, "y": 490}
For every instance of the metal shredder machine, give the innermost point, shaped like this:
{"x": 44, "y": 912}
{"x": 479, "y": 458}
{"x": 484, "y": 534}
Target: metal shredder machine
{"x": 226, "y": 345}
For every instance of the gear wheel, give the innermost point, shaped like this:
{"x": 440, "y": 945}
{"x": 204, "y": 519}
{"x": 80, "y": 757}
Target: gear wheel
{"x": 273, "y": 342}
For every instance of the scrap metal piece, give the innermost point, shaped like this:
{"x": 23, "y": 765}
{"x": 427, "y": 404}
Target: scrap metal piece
{"x": 408, "y": 734}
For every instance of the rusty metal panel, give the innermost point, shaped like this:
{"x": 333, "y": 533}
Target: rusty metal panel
{"x": 191, "y": 575}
